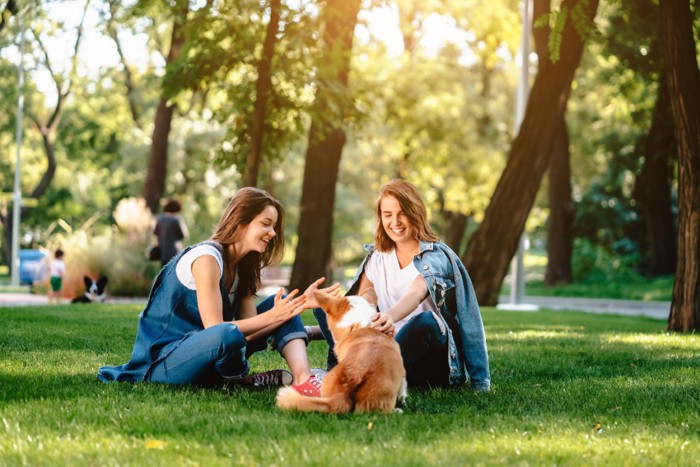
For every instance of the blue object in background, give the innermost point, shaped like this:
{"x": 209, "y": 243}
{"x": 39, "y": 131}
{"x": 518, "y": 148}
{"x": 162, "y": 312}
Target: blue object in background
{"x": 32, "y": 266}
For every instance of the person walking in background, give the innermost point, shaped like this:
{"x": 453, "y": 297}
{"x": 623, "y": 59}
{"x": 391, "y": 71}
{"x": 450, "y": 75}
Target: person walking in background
{"x": 57, "y": 269}
{"x": 202, "y": 323}
{"x": 426, "y": 300}
{"x": 170, "y": 230}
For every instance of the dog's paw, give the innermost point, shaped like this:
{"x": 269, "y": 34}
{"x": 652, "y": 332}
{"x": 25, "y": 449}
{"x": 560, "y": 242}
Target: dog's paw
{"x": 398, "y": 410}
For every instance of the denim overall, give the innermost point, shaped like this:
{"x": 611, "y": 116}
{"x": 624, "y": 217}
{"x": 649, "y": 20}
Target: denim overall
{"x": 445, "y": 352}
{"x": 173, "y": 347}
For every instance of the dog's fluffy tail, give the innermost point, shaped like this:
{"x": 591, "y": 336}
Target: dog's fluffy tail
{"x": 289, "y": 399}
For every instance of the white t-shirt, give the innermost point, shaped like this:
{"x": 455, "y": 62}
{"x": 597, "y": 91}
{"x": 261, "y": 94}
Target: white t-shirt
{"x": 391, "y": 283}
{"x": 183, "y": 268}
{"x": 57, "y": 268}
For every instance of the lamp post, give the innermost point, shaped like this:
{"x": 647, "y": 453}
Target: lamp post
{"x": 517, "y": 270}
{"x": 17, "y": 194}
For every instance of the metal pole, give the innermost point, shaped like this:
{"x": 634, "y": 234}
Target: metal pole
{"x": 17, "y": 195}
{"x": 517, "y": 269}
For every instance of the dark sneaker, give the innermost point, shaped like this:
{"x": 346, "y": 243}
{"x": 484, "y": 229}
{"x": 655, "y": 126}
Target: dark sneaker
{"x": 310, "y": 388}
{"x": 268, "y": 379}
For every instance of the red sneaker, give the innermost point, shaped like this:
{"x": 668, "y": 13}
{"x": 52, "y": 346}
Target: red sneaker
{"x": 311, "y": 387}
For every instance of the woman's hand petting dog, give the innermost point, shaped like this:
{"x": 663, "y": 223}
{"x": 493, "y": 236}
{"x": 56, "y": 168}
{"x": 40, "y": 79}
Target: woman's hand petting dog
{"x": 384, "y": 323}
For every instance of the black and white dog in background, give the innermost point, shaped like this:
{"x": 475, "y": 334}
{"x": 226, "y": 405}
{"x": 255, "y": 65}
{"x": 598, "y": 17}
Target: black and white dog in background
{"x": 94, "y": 290}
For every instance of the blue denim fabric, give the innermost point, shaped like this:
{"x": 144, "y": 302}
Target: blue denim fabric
{"x": 423, "y": 349}
{"x": 452, "y": 292}
{"x": 171, "y": 339}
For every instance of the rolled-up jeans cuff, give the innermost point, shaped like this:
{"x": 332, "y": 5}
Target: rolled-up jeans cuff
{"x": 279, "y": 344}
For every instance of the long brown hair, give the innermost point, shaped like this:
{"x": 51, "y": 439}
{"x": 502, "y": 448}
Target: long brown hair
{"x": 245, "y": 205}
{"x": 412, "y": 206}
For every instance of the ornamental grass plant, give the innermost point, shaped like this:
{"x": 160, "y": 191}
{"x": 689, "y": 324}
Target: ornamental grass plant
{"x": 567, "y": 388}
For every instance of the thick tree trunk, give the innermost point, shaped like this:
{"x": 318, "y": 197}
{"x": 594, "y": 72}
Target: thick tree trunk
{"x": 263, "y": 86}
{"x": 495, "y": 242}
{"x": 684, "y": 89}
{"x": 326, "y": 141}
{"x": 154, "y": 186}
{"x": 560, "y": 228}
{"x": 653, "y": 185}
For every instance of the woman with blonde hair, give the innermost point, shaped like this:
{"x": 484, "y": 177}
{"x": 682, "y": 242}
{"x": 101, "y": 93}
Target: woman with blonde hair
{"x": 201, "y": 322}
{"x": 425, "y": 298}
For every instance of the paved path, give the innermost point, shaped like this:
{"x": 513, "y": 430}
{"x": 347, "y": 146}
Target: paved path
{"x": 659, "y": 310}
{"x": 27, "y": 299}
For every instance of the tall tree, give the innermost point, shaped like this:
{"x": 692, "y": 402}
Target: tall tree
{"x": 681, "y": 68}
{"x": 47, "y": 126}
{"x": 326, "y": 141}
{"x": 154, "y": 186}
{"x": 560, "y": 225}
{"x": 635, "y": 42}
{"x": 653, "y": 184}
{"x": 263, "y": 87}
{"x": 494, "y": 243}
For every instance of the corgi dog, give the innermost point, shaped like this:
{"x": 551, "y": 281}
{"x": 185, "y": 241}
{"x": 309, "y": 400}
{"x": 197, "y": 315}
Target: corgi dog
{"x": 369, "y": 375}
{"x": 94, "y": 290}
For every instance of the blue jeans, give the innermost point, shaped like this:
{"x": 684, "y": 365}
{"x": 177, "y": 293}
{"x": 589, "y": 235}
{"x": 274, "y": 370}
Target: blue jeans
{"x": 212, "y": 355}
{"x": 423, "y": 349}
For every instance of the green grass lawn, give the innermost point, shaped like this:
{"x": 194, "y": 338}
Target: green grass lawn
{"x": 568, "y": 388}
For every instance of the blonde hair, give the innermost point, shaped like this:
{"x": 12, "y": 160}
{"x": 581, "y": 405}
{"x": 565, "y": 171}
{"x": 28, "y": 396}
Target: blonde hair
{"x": 245, "y": 205}
{"x": 413, "y": 208}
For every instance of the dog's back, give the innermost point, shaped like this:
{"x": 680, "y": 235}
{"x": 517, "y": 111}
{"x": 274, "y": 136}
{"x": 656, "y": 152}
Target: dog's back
{"x": 369, "y": 376}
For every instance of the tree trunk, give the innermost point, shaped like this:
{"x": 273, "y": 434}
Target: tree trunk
{"x": 455, "y": 228}
{"x": 263, "y": 86}
{"x": 495, "y": 242}
{"x": 684, "y": 89}
{"x": 560, "y": 228}
{"x": 326, "y": 141}
{"x": 154, "y": 186}
{"x": 653, "y": 185}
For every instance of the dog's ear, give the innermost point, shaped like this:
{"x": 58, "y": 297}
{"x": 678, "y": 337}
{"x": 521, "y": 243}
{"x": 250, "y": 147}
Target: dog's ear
{"x": 102, "y": 281}
{"x": 370, "y": 295}
{"x": 324, "y": 299}
{"x": 88, "y": 281}
{"x": 329, "y": 304}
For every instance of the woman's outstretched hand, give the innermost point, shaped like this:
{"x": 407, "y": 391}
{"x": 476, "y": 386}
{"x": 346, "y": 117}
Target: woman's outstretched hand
{"x": 311, "y": 302}
{"x": 288, "y": 307}
{"x": 384, "y": 323}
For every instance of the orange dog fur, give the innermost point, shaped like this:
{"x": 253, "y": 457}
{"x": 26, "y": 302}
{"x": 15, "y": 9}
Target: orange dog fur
{"x": 369, "y": 375}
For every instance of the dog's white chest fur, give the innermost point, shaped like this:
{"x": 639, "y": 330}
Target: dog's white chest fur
{"x": 360, "y": 312}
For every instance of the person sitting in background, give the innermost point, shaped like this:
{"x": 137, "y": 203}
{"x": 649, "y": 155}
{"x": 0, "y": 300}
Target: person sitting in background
{"x": 425, "y": 297}
{"x": 170, "y": 230}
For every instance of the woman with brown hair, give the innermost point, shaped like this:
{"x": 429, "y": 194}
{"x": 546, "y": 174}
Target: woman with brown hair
{"x": 201, "y": 323}
{"x": 424, "y": 295}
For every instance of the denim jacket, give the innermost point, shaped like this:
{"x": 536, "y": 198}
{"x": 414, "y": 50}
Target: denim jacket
{"x": 453, "y": 294}
{"x": 171, "y": 315}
